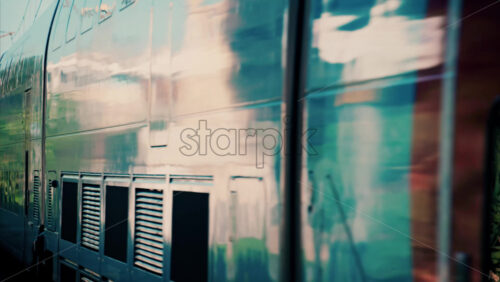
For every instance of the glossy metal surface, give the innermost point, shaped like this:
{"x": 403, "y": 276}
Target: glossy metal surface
{"x": 126, "y": 79}
{"x": 134, "y": 76}
{"x": 21, "y": 84}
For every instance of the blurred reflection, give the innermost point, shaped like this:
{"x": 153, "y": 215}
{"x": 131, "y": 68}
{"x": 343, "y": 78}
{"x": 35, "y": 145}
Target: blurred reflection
{"x": 362, "y": 83}
{"x": 201, "y": 58}
{"x": 367, "y": 39}
{"x": 248, "y": 255}
{"x": 222, "y": 57}
{"x": 359, "y": 192}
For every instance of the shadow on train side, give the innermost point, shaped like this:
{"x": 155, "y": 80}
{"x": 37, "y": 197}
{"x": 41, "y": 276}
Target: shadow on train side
{"x": 13, "y": 270}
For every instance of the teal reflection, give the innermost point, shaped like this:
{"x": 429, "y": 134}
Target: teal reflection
{"x": 359, "y": 202}
{"x": 362, "y": 80}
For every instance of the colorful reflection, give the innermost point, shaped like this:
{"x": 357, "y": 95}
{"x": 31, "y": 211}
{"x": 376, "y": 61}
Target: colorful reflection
{"x": 372, "y": 66}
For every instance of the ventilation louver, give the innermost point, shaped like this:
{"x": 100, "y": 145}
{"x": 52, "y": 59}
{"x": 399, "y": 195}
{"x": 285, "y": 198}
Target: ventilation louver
{"x": 36, "y": 199}
{"x": 86, "y": 279}
{"x": 50, "y": 208}
{"x": 91, "y": 216}
{"x": 148, "y": 244}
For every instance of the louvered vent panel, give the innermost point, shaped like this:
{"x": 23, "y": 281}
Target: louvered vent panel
{"x": 36, "y": 199}
{"x": 86, "y": 279}
{"x": 148, "y": 244}
{"x": 91, "y": 216}
{"x": 50, "y": 209}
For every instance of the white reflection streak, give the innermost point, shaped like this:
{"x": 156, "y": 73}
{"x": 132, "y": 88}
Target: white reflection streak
{"x": 204, "y": 50}
{"x": 202, "y": 67}
{"x": 364, "y": 134}
{"x": 387, "y": 45}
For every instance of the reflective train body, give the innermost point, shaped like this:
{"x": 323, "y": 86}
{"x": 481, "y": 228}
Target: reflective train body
{"x": 146, "y": 140}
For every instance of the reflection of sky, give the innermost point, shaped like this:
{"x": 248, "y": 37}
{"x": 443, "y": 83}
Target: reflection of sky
{"x": 17, "y": 16}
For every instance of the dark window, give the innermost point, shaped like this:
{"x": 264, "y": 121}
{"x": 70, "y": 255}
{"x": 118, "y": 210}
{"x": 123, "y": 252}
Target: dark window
{"x": 69, "y": 211}
{"x": 67, "y": 273}
{"x": 189, "y": 237}
{"x": 115, "y": 242}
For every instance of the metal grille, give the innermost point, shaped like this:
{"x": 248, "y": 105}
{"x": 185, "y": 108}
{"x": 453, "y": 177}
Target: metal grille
{"x": 50, "y": 208}
{"x": 86, "y": 279}
{"x": 36, "y": 199}
{"x": 148, "y": 244}
{"x": 91, "y": 216}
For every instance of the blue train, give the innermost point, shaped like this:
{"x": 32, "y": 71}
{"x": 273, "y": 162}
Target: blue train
{"x": 252, "y": 140}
